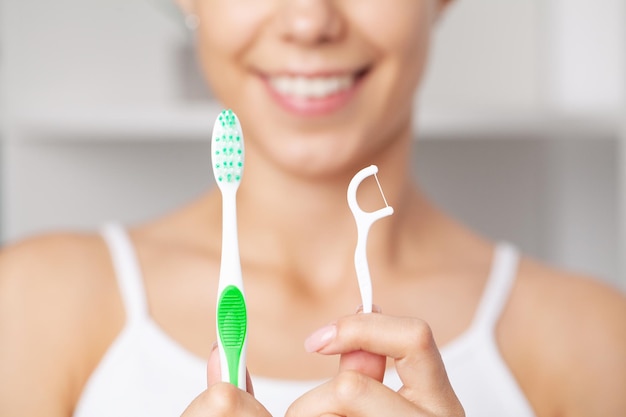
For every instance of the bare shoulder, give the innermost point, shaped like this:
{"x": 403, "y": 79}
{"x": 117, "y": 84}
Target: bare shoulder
{"x": 59, "y": 307}
{"x": 569, "y": 333}
{"x": 45, "y": 267}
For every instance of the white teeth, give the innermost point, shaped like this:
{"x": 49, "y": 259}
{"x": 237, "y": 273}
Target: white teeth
{"x": 311, "y": 87}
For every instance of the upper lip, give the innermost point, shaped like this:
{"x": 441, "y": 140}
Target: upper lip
{"x": 309, "y": 73}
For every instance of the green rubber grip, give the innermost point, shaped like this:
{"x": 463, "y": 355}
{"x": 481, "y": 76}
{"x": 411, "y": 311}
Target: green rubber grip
{"x": 232, "y": 326}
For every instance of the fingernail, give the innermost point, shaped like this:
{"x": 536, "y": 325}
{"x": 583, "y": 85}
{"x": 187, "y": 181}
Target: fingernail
{"x": 320, "y": 338}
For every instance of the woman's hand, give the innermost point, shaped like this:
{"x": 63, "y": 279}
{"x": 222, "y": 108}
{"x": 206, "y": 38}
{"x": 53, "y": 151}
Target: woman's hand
{"x": 224, "y": 399}
{"x": 357, "y": 390}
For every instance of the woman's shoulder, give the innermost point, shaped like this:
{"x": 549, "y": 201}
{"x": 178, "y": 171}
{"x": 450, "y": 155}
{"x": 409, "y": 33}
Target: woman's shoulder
{"x": 59, "y": 307}
{"x": 58, "y": 262}
{"x": 570, "y": 330}
{"x": 570, "y": 299}
{"x": 561, "y": 290}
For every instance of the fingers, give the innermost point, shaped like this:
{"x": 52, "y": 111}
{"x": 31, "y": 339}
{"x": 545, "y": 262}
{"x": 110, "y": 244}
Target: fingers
{"x": 214, "y": 374}
{"x": 408, "y": 341}
{"x": 225, "y": 400}
{"x": 213, "y": 370}
{"x": 364, "y": 362}
{"x": 352, "y": 394}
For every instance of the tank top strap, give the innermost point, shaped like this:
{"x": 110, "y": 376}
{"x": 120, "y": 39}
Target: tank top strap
{"x": 127, "y": 271}
{"x": 497, "y": 290}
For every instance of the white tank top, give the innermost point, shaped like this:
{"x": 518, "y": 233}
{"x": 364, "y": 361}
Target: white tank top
{"x": 147, "y": 373}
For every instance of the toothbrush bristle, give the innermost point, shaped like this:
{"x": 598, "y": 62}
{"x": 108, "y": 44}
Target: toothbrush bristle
{"x": 227, "y": 148}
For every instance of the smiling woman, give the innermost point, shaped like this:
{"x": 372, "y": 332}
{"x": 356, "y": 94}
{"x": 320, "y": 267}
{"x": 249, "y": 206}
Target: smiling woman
{"x": 322, "y": 88}
{"x": 303, "y": 71}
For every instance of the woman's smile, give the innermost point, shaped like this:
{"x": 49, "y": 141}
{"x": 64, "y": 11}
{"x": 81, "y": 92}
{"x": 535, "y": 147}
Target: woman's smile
{"x": 311, "y": 94}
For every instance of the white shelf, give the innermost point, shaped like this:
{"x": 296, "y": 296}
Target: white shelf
{"x": 191, "y": 123}
{"x": 188, "y": 123}
{"x": 527, "y": 125}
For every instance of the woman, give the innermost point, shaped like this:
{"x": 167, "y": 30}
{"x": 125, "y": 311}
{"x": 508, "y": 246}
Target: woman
{"x": 124, "y": 325}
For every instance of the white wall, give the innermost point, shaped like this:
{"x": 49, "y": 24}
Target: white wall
{"x": 94, "y": 53}
{"x": 486, "y": 56}
{"x": 586, "y": 54}
{"x": 556, "y": 199}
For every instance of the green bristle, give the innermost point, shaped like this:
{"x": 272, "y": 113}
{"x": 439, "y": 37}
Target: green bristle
{"x": 228, "y": 157}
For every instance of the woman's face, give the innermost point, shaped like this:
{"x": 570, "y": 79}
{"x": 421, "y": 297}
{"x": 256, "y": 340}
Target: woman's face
{"x": 318, "y": 85}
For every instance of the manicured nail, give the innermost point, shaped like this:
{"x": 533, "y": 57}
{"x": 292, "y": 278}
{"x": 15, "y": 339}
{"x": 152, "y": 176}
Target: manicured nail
{"x": 320, "y": 338}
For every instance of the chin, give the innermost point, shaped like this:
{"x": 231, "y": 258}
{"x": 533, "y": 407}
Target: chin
{"x": 321, "y": 158}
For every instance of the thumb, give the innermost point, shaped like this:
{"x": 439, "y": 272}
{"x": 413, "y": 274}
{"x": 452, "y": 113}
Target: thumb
{"x": 366, "y": 363}
{"x": 214, "y": 372}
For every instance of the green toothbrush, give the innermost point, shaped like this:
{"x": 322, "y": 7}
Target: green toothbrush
{"x": 227, "y": 156}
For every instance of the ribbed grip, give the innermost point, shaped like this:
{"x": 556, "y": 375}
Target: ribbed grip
{"x": 232, "y": 325}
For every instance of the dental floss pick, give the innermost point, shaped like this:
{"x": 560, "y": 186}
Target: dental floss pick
{"x": 364, "y": 221}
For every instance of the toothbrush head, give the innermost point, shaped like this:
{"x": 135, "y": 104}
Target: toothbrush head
{"x": 227, "y": 150}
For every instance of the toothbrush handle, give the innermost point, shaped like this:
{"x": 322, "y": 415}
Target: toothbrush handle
{"x": 230, "y": 266}
{"x": 232, "y": 337}
{"x": 231, "y": 315}
{"x": 239, "y": 366}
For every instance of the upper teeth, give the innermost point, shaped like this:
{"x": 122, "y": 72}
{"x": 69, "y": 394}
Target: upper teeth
{"x": 311, "y": 87}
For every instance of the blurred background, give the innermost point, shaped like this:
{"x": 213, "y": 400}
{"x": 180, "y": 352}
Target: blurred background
{"x": 521, "y": 126}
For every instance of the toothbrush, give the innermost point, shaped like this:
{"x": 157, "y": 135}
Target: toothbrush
{"x": 227, "y": 157}
{"x": 364, "y": 221}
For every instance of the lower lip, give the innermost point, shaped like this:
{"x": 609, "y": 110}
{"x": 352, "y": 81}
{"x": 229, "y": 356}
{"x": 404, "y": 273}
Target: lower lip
{"x": 312, "y": 107}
